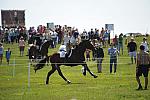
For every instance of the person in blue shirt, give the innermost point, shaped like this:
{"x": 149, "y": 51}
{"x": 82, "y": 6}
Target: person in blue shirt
{"x": 1, "y": 52}
{"x": 8, "y": 54}
{"x": 113, "y": 52}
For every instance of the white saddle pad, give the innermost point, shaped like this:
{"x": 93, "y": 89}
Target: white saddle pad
{"x": 62, "y": 54}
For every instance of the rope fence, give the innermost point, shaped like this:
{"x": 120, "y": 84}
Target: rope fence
{"x": 28, "y": 66}
{"x": 88, "y": 62}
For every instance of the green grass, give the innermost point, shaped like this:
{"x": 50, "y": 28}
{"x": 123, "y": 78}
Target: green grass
{"x": 119, "y": 86}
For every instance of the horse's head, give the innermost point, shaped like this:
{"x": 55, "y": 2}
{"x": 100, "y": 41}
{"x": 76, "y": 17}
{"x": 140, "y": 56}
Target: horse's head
{"x": 87, "y": 44}
{"x": 45, "y": 46}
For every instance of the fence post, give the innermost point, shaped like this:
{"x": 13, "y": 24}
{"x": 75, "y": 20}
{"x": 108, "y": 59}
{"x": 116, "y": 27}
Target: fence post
{"x": 29, "y": 75}
{"x": 14, "y": 64}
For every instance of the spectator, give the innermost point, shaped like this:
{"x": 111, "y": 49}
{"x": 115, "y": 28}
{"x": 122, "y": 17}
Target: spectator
{"x": 120, "y": 44}
{"x": 108, "y": 37}
{"x": 112, "y": 51}
{"x": 115, "y": 41}
{"x": 67, "y": 42}
{"x": 54, "y": 38}
{"x": 100, "y": 56}
{"x": 94, "y": 42}
{"x": 145, "y": 44}
{"x": 1, "y": 52}
{"x": 105, "y": 39}
{"x": 21, "y": 46}
{"x": 8, "y": 54}
{"x": 76, "y": 33}
{"x": 102, "y": 36}
{"x": 132, "y": 47}
{"x": 143, "y": 61}
{"x": 84, "y": 35}
{"x": 87, "y": 54}
{"x": 91, "y": 34}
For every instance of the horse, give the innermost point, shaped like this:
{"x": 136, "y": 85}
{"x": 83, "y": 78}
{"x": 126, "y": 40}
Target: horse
{"x": 76, "y": 58}
{"x": 34, "y": 53}
{"x": 43, "y": 51}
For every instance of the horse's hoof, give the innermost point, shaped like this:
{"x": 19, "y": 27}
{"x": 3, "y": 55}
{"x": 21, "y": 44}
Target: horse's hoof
{"x": 35, "y": 70}
{"x": 84, "y": 73}
{"x": 68, "y": 81}
{"x": 95, "y": 76}
{"x": 46, "y": 83}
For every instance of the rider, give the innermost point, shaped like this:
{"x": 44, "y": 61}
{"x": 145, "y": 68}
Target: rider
{"x": 62, "y": 50}
{"x": 65, "y": 50}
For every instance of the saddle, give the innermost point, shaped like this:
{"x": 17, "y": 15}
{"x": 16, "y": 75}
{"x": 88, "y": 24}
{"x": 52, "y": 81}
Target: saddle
{"x": 64, "y": 54}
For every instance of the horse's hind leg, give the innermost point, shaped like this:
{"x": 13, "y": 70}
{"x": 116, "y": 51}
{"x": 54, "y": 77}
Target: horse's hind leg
{"x": 60, "y": 73}
{"x": 49, "y": 74}
{"x": 86, "y": 67}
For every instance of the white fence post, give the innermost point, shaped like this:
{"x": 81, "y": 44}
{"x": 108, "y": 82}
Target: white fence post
{"x": 14, "y": 64}
{"x": 29, "y": 75}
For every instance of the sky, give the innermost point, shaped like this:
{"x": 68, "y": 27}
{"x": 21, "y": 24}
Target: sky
{"x": 126, "y": 15}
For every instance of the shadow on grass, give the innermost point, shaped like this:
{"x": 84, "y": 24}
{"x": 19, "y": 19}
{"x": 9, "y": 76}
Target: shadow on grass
{"x": 77, "y": 83}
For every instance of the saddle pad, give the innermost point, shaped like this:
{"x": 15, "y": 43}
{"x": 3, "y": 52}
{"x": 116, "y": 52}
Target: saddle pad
{"x": 62, "y": 54}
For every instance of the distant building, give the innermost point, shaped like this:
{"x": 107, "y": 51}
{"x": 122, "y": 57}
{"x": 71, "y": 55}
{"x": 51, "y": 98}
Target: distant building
{"x": 13, "y": 18}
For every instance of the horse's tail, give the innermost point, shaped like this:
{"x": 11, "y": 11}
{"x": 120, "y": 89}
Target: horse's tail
{"x": 41, "y": 63}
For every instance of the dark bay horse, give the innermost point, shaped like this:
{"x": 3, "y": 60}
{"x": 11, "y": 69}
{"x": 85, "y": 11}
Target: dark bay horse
{"x": 34, "y": 53}
{"x": 77, "y": 58}
{"x": 43, "y": 51}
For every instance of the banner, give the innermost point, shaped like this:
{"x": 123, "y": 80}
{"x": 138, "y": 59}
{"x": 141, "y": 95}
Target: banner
{"x": 13, "y": 18}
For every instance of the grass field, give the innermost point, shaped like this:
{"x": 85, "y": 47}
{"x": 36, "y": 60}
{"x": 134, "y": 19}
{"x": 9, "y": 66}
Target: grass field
{"x": 119, "y": 86}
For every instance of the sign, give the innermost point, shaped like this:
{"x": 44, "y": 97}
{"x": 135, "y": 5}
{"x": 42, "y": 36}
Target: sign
{"x": 51, "y": 26}
{"x": 109, "y": 27}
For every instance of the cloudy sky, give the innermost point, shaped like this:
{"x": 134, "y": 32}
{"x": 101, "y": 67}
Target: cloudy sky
{"x": 126, "y": 15}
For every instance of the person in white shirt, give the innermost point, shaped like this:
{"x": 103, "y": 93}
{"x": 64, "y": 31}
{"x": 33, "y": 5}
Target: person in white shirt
{"x": 66, "y": 39}
{"x": 54, "y": 38}
{"x": 67, "y": 42}
{"x": 145, "y": 44}
{"x": 73, "y": 40}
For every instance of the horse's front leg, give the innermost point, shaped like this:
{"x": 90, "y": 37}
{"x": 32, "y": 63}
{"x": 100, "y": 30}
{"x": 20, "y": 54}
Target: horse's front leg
{"x": 49, "y": 74}
{"x": 86, "y": 68}
{"x": 60, "y": 73}
{"x": 47, "y": 59}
